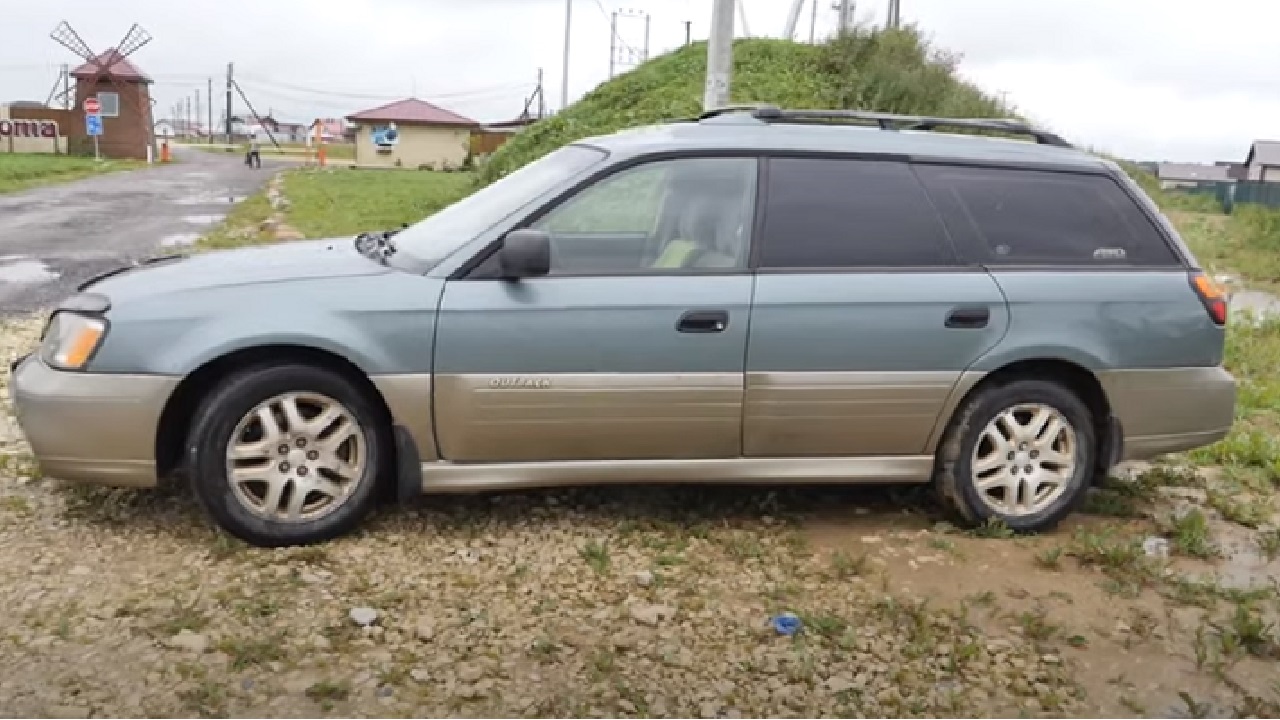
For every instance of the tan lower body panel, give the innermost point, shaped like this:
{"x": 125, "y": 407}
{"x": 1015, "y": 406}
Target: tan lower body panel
{"x": 595, "y": 416}
{"x": 87, "y": 427}
{"x": 444, "y": 477}
{"x": 801, "y": 414}
{"x": 408, "y": 397}
{"x": 1170, "y": 409}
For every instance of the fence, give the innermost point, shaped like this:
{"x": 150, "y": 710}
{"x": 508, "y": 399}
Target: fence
{"x": 1229, "y": 195}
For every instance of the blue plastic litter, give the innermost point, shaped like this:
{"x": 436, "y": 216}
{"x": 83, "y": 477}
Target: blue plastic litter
{"x": 787, "y": 624}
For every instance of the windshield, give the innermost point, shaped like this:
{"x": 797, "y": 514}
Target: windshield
{"x": 438, "y": 235}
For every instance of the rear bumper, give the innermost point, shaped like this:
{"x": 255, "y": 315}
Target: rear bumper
{"x": 87, "y": 427}
{"x": 1170, "y": 410}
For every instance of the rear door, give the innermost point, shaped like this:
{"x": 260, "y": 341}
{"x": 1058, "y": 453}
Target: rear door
{"x": 863, "y": 321}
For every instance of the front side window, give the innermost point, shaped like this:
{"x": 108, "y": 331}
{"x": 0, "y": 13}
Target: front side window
{"x": 109, "y": 103}
{"x": 849, "y": 213}
{"x": 1035, "y": 217}
{"x": 663, "y": 216}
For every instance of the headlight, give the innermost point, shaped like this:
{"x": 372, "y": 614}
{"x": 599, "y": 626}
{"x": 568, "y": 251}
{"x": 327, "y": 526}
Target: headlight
{"x": 71, "y": 339}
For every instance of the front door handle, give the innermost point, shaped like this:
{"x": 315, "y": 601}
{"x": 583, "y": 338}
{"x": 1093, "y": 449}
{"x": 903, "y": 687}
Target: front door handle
{"x": 703, "y": 321}
{"x": 969, "y": 317}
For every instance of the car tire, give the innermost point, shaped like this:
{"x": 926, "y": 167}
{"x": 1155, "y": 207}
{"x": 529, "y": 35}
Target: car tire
{"x": 334, "y": 465}
{"x": 978, "y": 479}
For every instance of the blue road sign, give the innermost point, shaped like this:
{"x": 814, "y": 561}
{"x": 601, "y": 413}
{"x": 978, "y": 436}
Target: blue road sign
{"x": 93, "y": 124}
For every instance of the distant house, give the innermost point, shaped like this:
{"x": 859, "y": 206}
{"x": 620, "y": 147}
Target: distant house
{"x": 1263, "y": 163}
{"x": 412, "y": 133}
{"x": 1183, "y": 175}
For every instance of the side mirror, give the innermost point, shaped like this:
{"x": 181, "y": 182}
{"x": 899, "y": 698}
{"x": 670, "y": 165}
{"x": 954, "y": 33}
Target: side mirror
{"x": 525, "y": 253}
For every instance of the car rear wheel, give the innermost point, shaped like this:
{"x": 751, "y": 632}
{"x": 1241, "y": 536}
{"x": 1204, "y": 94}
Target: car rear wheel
{"x": 1020, "y": 452}
{"x": 288, "y": 455}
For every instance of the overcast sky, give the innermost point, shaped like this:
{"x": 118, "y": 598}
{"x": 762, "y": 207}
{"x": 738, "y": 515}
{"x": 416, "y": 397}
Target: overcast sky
{"x": 1193, "y": 80}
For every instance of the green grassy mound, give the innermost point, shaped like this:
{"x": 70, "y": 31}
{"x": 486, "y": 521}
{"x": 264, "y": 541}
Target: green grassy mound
{"x": 869, "y": 69}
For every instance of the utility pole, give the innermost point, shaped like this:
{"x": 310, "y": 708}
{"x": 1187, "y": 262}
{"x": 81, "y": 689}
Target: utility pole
{"x": 846, "y": 16}
{"x": 199, "y": 115}
{"x": 542, "y": 97}
{"x": 894, "y": 18}
{"x": 813, "y": 23}
{"x": 230, "y": 82}
{"x": 719, "y": 56}
{"x": 613, "y": 43}
{"x": 209, "y": 95}
{"x": 688, "y": 32}
{"x": 568, "y": 26}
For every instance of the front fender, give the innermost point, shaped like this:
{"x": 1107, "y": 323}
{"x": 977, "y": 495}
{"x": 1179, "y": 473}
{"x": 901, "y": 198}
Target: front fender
{"x": 382, "y": 326}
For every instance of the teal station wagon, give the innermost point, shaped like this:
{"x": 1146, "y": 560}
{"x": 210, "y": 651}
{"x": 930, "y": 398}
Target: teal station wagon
{"x": 756, "y": 296}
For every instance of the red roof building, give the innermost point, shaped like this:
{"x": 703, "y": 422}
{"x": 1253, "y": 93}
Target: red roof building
{"x": 412, "y": 111}
{"x": 412, "y": 133}
{"x": 110, "y": 64}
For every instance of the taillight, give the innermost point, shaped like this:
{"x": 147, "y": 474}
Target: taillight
{"x": 1215, "y": 301}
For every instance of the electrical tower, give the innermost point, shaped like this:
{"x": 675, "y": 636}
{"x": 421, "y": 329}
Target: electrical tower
{"x": 622, "y": 54}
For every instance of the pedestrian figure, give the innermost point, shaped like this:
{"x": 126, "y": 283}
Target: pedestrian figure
{"x": 254, "y": 157}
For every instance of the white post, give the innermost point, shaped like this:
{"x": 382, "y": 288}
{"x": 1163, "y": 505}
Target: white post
{"x": 719, "y": 56}
{"x": 568, "y": 25}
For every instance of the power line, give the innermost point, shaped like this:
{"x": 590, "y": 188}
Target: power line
{"x": 267, "y": 82}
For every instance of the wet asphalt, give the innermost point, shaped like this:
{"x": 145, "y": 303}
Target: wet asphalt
{"x": 53, "y": 238}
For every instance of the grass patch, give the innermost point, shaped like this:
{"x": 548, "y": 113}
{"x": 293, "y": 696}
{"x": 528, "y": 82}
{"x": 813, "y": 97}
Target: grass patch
{"x": 251, "y": 651}
{"x": 242, "y": 226}
{"x": 1120, "y": 557}
{"x": 20, "y": 171}
{"x": 339, "y": 203}
{"x": 596, "y": 554}
{"x": 1190, "y": 535}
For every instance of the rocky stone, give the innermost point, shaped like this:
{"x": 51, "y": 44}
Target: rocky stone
{"x": 189, "y": 641}
{"x": 424, "y": 629}
{"x": 651, "y": 615}
{"x": 643, "y": 578}
{"x": 470, "y": 673}
{"x": 363, "y": 616}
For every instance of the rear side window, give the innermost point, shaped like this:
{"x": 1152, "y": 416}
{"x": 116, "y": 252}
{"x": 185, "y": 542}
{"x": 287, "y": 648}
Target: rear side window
{"x": 1033, "y": 217}
{"x": 838, "y": 213}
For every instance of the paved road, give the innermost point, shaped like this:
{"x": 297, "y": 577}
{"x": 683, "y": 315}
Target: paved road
{"x": 52, "y": 238}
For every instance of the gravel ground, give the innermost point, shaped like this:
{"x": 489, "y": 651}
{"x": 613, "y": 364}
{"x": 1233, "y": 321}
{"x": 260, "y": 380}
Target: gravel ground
{"x": 633, "y": 602}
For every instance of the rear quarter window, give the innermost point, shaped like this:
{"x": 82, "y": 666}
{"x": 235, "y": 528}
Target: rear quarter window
{"x": 1035, "y": 217}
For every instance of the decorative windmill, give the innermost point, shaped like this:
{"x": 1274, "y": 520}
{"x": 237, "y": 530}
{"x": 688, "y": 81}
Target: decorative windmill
{"x": 104, "y": 67}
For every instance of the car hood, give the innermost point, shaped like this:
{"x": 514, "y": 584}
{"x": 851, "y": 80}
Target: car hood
{"x": 299, "y": 260}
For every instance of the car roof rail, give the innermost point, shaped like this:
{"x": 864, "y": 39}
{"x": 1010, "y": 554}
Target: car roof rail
{"x": 890, "y": 121}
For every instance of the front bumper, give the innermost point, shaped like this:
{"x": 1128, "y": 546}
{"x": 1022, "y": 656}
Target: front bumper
{"x": 88, "y": 427}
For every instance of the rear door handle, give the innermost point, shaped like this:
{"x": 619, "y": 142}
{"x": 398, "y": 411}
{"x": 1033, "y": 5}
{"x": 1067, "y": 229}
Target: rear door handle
{"x": 969, "y": 316}
{"x": 703, "y": 321}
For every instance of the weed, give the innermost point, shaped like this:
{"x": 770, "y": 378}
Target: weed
{"x": 1240, "y": 509}
{"x": 1269, "y": 543}
{"x": 1035, "y": 625}
{"x": 205, "y": 699}
{"x": 946, "y": 545}
{"x": 986, "y": 598}
{"x": 328, "y": 690}
{"x": 824, "y": 624}
{"x": 1191, "y": 535}
{"x": 1109, "y": 503}
{"x": 1194, "y": 709}
{"x": 247, "y": 652}
{"x": 1050, "y": 558}
{"x": 596, "y": 553}
{"x": 185, "y": 616}
{"x": 1078, "y": 641}
{"x": 847, "y": 566}
{"x": 993, "y": 528}
{"x": 1248, "y": 631}
{"x": 743, "y": 546}
{"x": 16, "y": 504}
{"x": 603, "y": 663}
{"x": 1120, "y": 557}
{"x": 1133, "y": 706}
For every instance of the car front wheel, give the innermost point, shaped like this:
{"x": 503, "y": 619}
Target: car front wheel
{"x": 1020, "y": 452}
{"x": 287, "y": 455}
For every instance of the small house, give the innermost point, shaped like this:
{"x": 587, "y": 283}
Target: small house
{"x": 412, "y": 133}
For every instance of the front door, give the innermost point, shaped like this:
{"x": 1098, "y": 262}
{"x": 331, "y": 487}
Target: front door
{"x": 633, "y": 347}
{"x": 863, "y": 319}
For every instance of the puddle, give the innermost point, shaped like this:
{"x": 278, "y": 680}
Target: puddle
{"x": 179, "y": 239}
{"x": 203, "y": 219}
{"x": 209, "y": 199}
{"x": 27, "y": 271}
